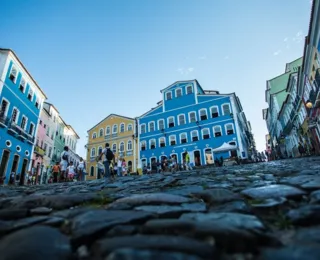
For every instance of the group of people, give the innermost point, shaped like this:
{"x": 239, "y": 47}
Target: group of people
{"x": 65, "y": 170}
{"x": 116, "y": 168}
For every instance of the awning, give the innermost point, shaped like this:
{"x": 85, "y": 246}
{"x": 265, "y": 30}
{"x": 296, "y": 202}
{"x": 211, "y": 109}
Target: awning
{"x": 225, "y": 147}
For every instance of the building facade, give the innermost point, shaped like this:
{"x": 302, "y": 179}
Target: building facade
{"x": 207, "y": 124}
{"x": 21, "y": 102}
{"x": 71, "y": 139}
{"x": 120, "y": 133}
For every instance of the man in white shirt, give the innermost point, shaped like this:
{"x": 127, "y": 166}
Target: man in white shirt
{"x": 108, "y": 157}
{"x": 64, "y": 163}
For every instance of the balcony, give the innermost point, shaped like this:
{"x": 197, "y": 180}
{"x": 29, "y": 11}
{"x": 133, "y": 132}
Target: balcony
{"x": 287, "y": 129}
{"x": 38, "y": 150}
{"x": 4, "y": 121}
{"x": 14, "y": 129}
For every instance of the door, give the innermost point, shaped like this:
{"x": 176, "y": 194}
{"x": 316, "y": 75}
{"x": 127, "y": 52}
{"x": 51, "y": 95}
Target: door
{"x": 14, "y": 166}
{"x": 4, "y": 163}
{"x": 197, "y": 158}
{"x": 129, "y": 166}
{"x": 208, "y": 155}
{"x": 23, "y": 171}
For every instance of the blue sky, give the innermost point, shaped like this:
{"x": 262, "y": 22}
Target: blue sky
{"x": 115, "y": 56}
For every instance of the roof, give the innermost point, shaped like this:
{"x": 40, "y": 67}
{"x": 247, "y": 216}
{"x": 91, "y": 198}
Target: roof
{"x": 181, "y": 81}
{"x": 69, "y": 126}
{"x": 11, "y": 51}
{"x": 130, "y": 118}
{"x": 50, "y": 104}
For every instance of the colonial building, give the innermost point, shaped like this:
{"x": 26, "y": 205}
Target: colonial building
{"x": 207, "y": 124}
{"x": 21, "y": 103}
{"x": 120, "y": 133}
{"x": 71, "y": 139}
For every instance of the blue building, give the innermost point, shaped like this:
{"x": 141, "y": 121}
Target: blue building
{"x": 21, "y": 101}
{"x": 206, "y": 124}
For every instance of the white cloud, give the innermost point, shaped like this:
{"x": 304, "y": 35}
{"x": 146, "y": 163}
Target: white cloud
{"x": 298, "y": 37}
{"x": 276, "y": 53}
{"x": 285, "y": 39}
{"x": 186, "y": 71}
{"x": 180, "y": 70}
{"x": 190, "y": 69}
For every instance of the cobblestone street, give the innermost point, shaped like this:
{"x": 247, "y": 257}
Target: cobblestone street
{"x": 259, "y": 211}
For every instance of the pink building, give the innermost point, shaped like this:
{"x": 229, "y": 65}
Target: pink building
{"x": 39, "y": 151}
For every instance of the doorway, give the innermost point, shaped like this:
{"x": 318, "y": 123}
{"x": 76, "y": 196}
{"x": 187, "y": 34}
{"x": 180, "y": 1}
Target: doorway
{"x": 208, "y": 156}
{"x": 14, "y": 166}
{"x": 129, "y": 166}
{"x": 4, "y": 163}
{"x": 23, "y": 171}
{"x": 197, "y": 158}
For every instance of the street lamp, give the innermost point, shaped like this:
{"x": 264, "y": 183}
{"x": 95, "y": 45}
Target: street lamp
{"x": 309, "y": 104}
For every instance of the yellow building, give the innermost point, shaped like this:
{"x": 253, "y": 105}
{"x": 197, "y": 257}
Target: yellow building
{"x": 120, "y": 133}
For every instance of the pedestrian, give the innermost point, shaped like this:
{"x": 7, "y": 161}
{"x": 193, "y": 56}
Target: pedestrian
{"x": 70, "y": 172}
{"x": 64, "y": 164}
{"x": 119, "y": 167}
{"x": 108, "y": 157}
{"x": 124, "y": 167}
{"x": 55, "y": 171}
{"x": 81, "y": 168}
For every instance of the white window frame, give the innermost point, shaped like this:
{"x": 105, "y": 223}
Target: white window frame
{"x": 174, "y": 123}
{"x": 145, "y": 128}
{"x": 154, "y": 126}
{"x": 100, "y": 148}
{"x": 194, "y": 131}
{"x": 175, "y": 139}
{"x": 24, "y": 86}
{"x": 189, "y": 86}
{"x": 120, "y": 147}
{"x": 129, "y": 125}
{"x": 18, "y": 114}
{"x": 202, "y": 134}
{"x": 145, "y": 145}
{"x": 163, "y": 124}
{"x": 155, "y": 143}
{"x": 176, "y": 91}
{"x": 217, "y": 107}
{"x": 32, "y": 91}
{"x": 101, "y": 129}
{"x": 129, "y": 148}
{"x": 108, "y": 128}
{"x": 33, "y": 129}
{"x": 184, "y": 119}
{"x": 166, "y": 95}
{"x": 114, "y": 150}
{"x": 94, "y": 135}
{"x": 180, "y": 137}
{"x": 195, "y": 115}
{"x": 25, "y": 127}
{"x": 124, "y": 127}
{"x": 13, "y": 67}
{"x": 226, "y": 104}
{"x": 203, "y": 109}
{"x": 93, "y": 152}
{"x": 7, "y": 109}
{"x": 37, "y": 102}
{"x": 162, "y": 138}
{"x": 114, "y": 132}
{"x": 214, "y": 131}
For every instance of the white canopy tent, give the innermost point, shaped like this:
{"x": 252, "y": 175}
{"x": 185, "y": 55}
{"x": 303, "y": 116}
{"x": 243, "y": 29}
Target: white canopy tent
{"x": 224, "y": 147}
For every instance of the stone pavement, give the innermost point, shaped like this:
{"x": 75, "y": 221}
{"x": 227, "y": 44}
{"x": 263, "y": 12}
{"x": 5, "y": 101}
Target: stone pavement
{"x": 259, "y": 211}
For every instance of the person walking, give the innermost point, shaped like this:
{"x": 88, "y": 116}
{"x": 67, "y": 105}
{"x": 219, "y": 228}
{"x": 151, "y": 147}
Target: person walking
{"x": 55, "y": 171}
{"x": 119, "y": 167}
{"x": 64, "y": 164}
{"x": 108, "y": 157}
{"x": 81, "y": 168}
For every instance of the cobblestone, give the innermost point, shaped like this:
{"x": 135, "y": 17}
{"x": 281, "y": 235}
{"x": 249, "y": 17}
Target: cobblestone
{"x": 259, "y": 211}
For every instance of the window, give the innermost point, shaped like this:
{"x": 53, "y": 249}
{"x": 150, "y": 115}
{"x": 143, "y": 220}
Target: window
{"x": 129, "y": 127}
{"x": 114, "y": 148}
{"x": 226, "y": 109}
{"x": 37, "y": 104}
{"x": 194, "y": 135}
{"x": 93, "y": 152}
{"x": 172, "y": 139}
{"x": 183, "y": 138}
{"x": 31, "y": 129}
{"x": 205, "y": 133}
{"x": 23, "y": 122}
{"x": 152, "y": 144}
{"x": 13, "y": 74}
{"x": 99, "y": 150}
{"x": 92, "y": 171}
{"x": 15, "y": 114}
{"x": 217, "y": 131}
{"x": 101, "y": 132}
{"x": 108, "y": 130}
{"x": 4, "y": 108}
{"x": 232, "y": 143}
{"x": 169, "y": 95}
{"x": 22, "y": 85}
{"x": 115, "y": 129}
{"x": 214, "y": 112}
{"x": 192, "y": 117}
{"x": 171, "y": 122}
{"x": 143, "y": 145}
{"x": 203, "y": 114}
{"x": 189, "y": 90}
{"x": 178, "y": 92}
{"x": 129, "y": 145}
{"x": 151, "y": 126}
{"x": 143, "y": 129}
{"x": 182, "y": 119}
{"x": 229, "y": 129}
{"x": 162, "y": 142}
{"x": 121, "y": 148}
{"x": 160, "y": 124}
{"x": 122, "y": 127}
{"x": 50, "y": 151}
{"x": 94, "y": 135}
{"x": 30, "y": 94}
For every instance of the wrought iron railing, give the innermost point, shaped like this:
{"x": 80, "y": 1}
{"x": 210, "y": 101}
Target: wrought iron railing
{"x": 4, "y": 120}
{"x": 21, "y": 132}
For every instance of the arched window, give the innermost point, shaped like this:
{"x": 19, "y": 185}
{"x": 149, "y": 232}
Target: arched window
{"x": 13, "y": 74}
{"x": 151, "y": 126}
{"x": 160, "y": 124}
{"x": 143, "y": 129}
{"x": 171, "y": 121}
{"x": 99, "y": 150}
{"x": 172, "y": 139}
{"x": 114, "y": 148}
{"x": 192, "y": 117}
{"x": 229, "y": 129}
{"x": 169, "y": 95}
{"x": 205, "y": 133}
{"x": 178, "y": 92}
{"x": 183, "y": 138}
{"x": 101, "y": 132}
{"x": 203, "y": 114}
{"x": 181, "y": 119}
{"x": 108, "y": 130}
{"x": 129, "y": 145}
{"x": 92, "y": 171}
{"x": 189, "y": 90}
{"x": 226, "y": 109}
{"x": 93, "y": 152}
{"x": 143, "y": 145}
{"x": 121, "y": 147}
{"x": 129, "y": 127}
{"x": 162, "y": 142}
{"x": 217, "y": 131}
{"x": 214, "y": 112}
{"x": 115, "y": 129}
{"x": 194, "y": 135}
{"x": 122, "y": 127}
{"x": 94, "y": 135}
{"x": 152, "y": 144}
